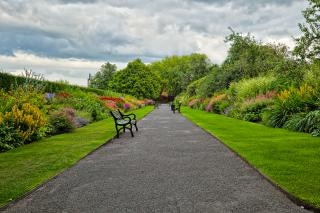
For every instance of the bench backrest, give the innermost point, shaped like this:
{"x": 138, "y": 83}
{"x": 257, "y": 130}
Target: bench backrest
{"x": 116, "y": 115}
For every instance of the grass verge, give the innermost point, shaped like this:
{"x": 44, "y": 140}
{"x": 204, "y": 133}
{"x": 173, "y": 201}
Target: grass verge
{"x": 24, "y": 168}
{"x": 290, "y": 159}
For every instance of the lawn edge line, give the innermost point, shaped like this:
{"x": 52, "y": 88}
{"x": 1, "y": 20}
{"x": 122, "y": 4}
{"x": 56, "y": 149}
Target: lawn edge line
{"x": 296, "y": 200}
{"x": 108, "y": 141}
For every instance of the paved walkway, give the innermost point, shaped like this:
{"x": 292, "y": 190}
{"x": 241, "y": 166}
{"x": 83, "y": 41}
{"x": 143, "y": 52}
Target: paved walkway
{"x": 170, "y": 166}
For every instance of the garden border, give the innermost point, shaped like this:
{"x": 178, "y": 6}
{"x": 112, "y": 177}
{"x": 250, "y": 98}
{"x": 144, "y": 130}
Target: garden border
{"x": 13, "y": 202}
{"x": 297, "y": 201}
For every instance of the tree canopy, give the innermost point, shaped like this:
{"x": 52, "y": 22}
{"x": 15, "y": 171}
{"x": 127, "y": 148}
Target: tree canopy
{"x": 103, "y": 76}
{"x": 178, "y": 72}
{"x": 308, "y": 45}
{"x": 138, "y": 80}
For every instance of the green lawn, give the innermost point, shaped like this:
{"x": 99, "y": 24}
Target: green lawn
{"x": 290, "y": 159}
{"x": 26, "y": 167}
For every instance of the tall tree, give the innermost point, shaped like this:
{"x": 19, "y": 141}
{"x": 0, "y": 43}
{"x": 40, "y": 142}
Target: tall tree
{"x": 138, "y": 80}
{"x": 308, "y": 45}
{"x": 178, "y": 72}
{"x": 103, "y": 76}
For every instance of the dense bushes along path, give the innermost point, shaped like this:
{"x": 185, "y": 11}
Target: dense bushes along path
{"x": 169, "y": 166}
{"x": 24, "y": 168}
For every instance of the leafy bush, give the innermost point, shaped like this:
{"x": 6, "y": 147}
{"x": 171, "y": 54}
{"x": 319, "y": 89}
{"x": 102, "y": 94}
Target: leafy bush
{"x": 192, "y": 89}
{"x": 217, "y": 103}
{"x": 253, "y": 112}
{"x": 252, "y": 109}
{"x": 312, "y": 75}
{"x": 290, "y": 102}
{"x": 80, "y": 122}
{"x": 9, "y": 138}
{"x": 194, "y": 103}
{"x": 138, "y": 80}
{"x": 311, "y": 123}
{"x": 303, "y": 122}
{"x": 295, "y": 123}
{"x": 27, "y": 120}
{"x": 182, "y": 98}
{"x": 249, "y": 88}
{"x": 62, "y": 121}
{"x": 10, "y": 82}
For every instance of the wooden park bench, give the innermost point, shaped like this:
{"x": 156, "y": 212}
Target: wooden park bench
{"x": 123, "y": 122}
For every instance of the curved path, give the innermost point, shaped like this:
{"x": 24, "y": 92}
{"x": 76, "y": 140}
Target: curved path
{"x": 169, "y": 166}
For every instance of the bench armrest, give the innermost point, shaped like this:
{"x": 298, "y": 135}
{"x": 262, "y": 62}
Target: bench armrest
{"x": 128, "y": 116}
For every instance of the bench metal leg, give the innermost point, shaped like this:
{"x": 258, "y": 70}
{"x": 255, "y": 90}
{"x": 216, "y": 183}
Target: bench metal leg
{"x": 117, "y": 131}
{"x": 131, "y": 130}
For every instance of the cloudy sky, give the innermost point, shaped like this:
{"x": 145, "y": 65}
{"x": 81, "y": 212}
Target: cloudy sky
{"x": 68, "y": 39}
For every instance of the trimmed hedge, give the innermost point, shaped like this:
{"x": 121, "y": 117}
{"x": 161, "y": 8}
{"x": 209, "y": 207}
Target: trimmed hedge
{"x": 8, "y": 81}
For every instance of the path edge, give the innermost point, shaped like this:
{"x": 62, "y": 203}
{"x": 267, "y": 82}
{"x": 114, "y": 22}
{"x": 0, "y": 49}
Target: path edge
{"x": 13, "y": 202}
{"x": 297, "y": 201}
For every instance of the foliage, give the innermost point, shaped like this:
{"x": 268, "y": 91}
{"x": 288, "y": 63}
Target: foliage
{"x": 80, "y": 121}
{"x": 211, "y": 83}
{"x": 312, "y": 75}
{"x": 193, "y": 87}
{"x": 9, "y": 138}
{"x": 249, "y": 88}
{"x": 252, "y": 109}
{"x": 81, "y": 101}
{"x": 308, "y": 45}
{"x": 138, "y": 80}
{"x": 177, "y": 72}
{"x": 10, "y": 82}
{"x": 289, "y": 102}
{"x": 310, "y": 123}
{"x": 62, "y": 121}
{"x": 27, "y": 120}
{"x": 217, "y": 103}
{"x": 248, "y": 58}
{"x": 103, "y": 76}
{"x": 295, "y": 122}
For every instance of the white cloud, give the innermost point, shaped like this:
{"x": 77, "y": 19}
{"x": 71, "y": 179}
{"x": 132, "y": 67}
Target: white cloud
{"x": 94, "y": 32}
{"x": 76, "y": 71}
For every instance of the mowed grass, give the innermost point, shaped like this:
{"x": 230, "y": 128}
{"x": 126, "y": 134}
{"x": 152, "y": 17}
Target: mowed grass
{"x": 26, "y": 167}
{"x": 289, "y": 159}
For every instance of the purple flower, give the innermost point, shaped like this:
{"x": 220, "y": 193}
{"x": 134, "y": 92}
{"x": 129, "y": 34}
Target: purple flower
{"x": 49, "y": 96}
{"x": 126, "y": 106}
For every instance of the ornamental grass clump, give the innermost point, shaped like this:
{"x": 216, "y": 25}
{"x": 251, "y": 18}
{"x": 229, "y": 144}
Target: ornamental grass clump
{"x": 289, "y": 102}
{"x": 213, "y": 105}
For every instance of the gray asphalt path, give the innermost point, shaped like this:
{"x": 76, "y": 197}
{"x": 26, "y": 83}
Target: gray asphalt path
{"x": 169, "y": 166}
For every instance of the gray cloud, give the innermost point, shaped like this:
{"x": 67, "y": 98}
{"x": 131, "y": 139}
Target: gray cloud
{"x": 121, "y": 30}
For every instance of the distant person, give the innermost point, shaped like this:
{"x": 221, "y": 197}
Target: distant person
{"x": 173, "y": 108}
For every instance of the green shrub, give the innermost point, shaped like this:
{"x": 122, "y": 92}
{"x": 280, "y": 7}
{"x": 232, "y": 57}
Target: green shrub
{"x": 311, "y": 123}
{"x": 290, "y": 102}
{"x": 249, "y": 88}
{"x": 295, "y": 122}
{"x": 27, "y": 120}
{"x": 9, "y": 138}
{"x": 312, "y": 75}
{"x": 192, "y": 89}
{"x": 9, "y": 82}
{"x": 182, "y": 98}
{"x": 62, "y": 121}
{"x": 218, "y": 103}
{"x": 253, "y": 112}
